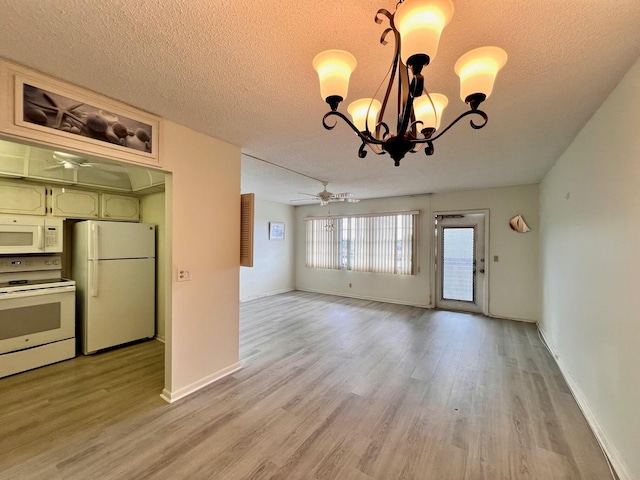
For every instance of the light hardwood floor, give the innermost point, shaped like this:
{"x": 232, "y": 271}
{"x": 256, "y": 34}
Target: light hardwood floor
{"x": 331, "y": 388}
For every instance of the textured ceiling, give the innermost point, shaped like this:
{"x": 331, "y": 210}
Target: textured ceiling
{"x": 240, "y": 71}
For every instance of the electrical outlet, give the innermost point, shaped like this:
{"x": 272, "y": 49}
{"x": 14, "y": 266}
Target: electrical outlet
{"x": 496, "y": 258}
{"x": 350, "y": 285}
{"x": 184, "y": 275}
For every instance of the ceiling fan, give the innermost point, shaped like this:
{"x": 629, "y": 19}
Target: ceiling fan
{"x": 325, "y": 196}
{"x": 75, "y": 162}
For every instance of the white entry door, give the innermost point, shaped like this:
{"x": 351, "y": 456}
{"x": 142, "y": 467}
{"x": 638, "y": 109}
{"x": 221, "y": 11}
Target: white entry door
{"x": 460, "y": 262}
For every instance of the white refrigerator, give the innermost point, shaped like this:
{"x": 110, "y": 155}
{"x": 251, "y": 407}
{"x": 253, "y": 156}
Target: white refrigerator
{"x": 113, "y": 265}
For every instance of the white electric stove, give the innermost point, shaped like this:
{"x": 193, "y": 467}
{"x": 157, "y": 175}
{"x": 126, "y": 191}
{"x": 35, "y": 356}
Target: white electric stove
{"x": 37, "y": 313}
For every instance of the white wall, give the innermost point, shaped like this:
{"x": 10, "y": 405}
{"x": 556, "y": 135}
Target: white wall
{"x": 152, "y": 208}
{"x": 590, "y": 203}
{"x": 514, "y": 281}
{"x": 203, "y": 193}
{"x": 273, "y": 260}
{"x": 404, "y": 289}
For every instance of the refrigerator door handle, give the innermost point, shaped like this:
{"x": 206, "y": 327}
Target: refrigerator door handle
{"x": 93, "y": 242}
{"x": 93, "y": 278}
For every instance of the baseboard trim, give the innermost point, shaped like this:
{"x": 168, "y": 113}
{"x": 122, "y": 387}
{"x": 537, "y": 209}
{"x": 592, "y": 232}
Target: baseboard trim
{"x": 610, "y": 451}
{"x": 361, "y": 297}
{"x": 160, "y": 339}
{"x": 170, "y": 397}
{"x": 517, "y": 319}
{"x": 268, "y": 294}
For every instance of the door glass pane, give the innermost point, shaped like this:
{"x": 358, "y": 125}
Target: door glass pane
{"x": 457, "y": 264}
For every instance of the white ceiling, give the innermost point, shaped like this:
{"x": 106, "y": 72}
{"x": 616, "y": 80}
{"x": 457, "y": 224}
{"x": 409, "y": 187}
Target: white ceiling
{"x": 240, "y": 71}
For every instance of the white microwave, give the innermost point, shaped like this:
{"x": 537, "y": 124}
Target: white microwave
{"x": 23, "y": 234}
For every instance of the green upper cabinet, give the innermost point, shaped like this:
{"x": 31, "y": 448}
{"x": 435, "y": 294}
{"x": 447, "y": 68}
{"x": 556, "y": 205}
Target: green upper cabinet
{"x": 71, "y": 203}
{"x": 18, "y": 198}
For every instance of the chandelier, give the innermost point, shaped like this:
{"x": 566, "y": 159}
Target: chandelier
{"x": 329, "y": 224}
{"x": 416, "y": 26}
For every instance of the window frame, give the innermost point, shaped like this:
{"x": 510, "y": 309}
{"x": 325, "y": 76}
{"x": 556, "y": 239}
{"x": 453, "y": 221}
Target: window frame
{"x": 372, "y": 242}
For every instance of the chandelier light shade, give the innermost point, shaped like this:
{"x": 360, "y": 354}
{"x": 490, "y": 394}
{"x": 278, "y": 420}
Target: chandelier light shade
{"x": 477, "y": 70}
{"x": 430, "y": 113}
{"x": 334, "y": 69}
{"x": 364, "y": 113}
{"x": 420, "y": 25}
{"x": 416, "y": 27}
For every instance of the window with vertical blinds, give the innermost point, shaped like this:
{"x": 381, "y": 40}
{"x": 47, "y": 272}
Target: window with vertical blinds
{"x": 383, "y": 243}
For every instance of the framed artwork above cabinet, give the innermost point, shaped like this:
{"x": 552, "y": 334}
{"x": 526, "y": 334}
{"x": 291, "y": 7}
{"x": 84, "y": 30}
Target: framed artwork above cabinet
{"x": 37, "y": 108}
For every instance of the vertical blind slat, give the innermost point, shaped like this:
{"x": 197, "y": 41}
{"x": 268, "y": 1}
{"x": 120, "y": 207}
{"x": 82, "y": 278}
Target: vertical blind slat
{"x": 377, "y": 243}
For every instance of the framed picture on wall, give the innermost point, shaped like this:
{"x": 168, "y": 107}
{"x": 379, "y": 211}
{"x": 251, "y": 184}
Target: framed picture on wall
{"x": 276, "y": 231}
{"x": 42, "y": 108}
{"x": 48, "y": 111}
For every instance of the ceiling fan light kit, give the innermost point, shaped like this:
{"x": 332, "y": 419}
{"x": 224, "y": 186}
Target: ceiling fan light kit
{"x": 416, "y": 27}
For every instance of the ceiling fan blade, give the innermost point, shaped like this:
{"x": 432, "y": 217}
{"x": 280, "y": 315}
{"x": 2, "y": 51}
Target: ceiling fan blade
{"x": 105, "y": 166}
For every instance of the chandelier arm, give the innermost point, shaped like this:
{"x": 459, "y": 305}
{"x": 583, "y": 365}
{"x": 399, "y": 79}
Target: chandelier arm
{"x": 361, "y": 151}
{"x": 484, "y": 117}
{"x": 428, "y": 150}
{"x": 383, "y": 37}
{"x": 473, "y": 125}
{"x": 403, "y": 90}
{"x": 396, "y": 58}
{"x": 407, "y": 108}
{"x": 386, "y": 130}
{"x": 365, "y": 137}
{"x": 386, "y": 13}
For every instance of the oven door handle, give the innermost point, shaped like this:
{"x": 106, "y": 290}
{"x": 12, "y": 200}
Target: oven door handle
{"x": 93, "y": 278}
{"x": 37, "y": 292}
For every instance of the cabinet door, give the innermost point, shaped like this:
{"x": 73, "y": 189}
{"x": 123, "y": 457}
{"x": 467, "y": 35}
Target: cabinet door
{"x": 67, "y": 202}
{"x": 22, "y": 198}
{"x": 120, "y": 207}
